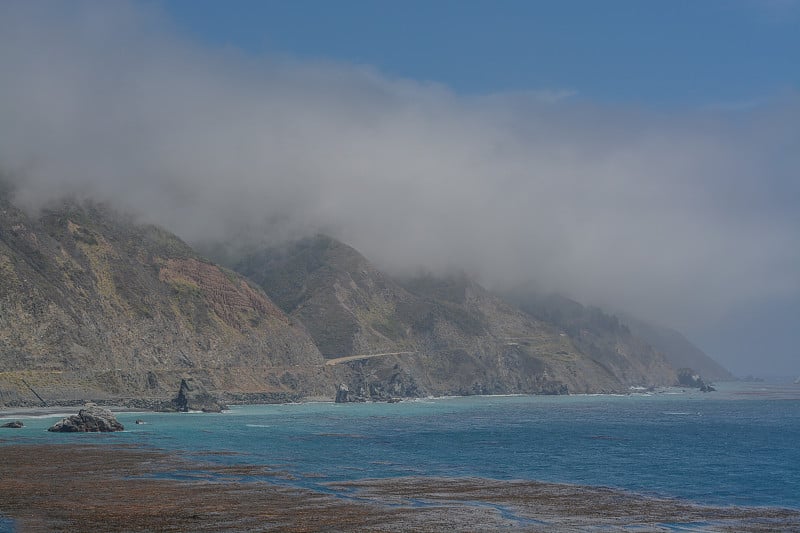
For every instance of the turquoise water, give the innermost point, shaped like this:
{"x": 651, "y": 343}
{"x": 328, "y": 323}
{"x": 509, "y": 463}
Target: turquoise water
{"x": 740, "y": 445}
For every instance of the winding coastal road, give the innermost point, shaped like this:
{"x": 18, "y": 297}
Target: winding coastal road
{"x": 340, "y": 360}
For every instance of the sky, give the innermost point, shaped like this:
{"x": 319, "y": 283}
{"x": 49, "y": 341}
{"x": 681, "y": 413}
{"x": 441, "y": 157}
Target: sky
{"x": 683, "y": 52}
{"x": 642, "y": 156}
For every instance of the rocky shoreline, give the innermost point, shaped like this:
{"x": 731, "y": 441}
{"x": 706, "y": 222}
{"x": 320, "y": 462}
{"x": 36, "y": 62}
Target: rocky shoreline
{"x": 124, "y": 488}
{"x": 135, "y": 405}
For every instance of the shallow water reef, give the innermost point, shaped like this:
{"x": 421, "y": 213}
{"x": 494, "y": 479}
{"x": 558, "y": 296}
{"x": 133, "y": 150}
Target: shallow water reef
{"x": 139, "y": 489}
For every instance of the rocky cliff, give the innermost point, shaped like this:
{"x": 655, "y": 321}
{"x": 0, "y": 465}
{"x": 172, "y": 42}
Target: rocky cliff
{"x": 600, "y": 336}
{"x": 677, "y": 349}
{"x": 442, "y": 335}
{"x": 93, "y": 306}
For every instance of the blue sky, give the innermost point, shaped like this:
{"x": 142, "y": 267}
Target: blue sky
{"x": 642, "y": 156}
{"x": 671, "y": 53}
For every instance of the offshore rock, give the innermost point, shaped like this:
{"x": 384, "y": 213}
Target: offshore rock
{"x": 689, "y": 378}
{"x": 16, "y": 424}
{"x": 554, "y": 388}
{"x": 90, "y": 419}
{"x": 344, "y": 395}
{"x": 193, "y": 396}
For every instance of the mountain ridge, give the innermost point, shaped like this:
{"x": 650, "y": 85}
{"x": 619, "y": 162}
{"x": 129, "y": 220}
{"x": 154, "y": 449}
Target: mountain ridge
{"x": 678, "y": 350}
{"x": 451, "y": 322}
{"x": 94, "y": 306}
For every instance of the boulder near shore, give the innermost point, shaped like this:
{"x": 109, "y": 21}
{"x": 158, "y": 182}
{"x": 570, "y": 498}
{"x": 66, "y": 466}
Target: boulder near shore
{"x": 89, "y": 419}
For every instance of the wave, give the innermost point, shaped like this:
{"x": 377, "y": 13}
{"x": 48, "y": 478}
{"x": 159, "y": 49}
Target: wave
{"x": 11, "y": 417}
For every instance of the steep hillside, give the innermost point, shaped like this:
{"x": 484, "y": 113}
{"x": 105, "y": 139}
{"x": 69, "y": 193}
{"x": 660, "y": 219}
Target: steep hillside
{"x": 94, "y": 306}
{"x": 677, "y": 349}
{"x": 598, "y": 335}
{"x": 445, "y": 336}
{"x": 347, "y": 305}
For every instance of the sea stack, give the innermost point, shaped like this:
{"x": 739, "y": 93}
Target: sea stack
{"x": 193, "y": 396}
{"x": 89, "y": 419}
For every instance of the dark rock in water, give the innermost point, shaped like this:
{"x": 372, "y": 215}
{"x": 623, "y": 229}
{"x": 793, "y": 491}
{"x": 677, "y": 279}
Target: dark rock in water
{"x": 193, "y": 396}
{"x": 554, "y": 388}
{"x": 16, "y": 424}
{"x": 90, "y": 419}
{"x": 344, "y": 395}
{"x": 377, "y": 384}
{"x": 688, "y": 377}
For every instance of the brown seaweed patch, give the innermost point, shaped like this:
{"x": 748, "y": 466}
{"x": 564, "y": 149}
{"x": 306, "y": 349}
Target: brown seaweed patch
{"x": 569, "y": 506}
{"x": 127, "y": 488}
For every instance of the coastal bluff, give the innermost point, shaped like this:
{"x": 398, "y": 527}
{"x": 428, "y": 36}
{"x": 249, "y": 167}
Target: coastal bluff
{"x": 99, "y": 308}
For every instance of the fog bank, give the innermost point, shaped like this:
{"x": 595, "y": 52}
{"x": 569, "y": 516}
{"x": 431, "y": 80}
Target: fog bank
{"x": 680, "y": 217}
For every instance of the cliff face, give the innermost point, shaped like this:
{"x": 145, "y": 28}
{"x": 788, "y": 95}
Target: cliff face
{"x": 600, "y": 337}
{"x": 347, "y": 305}
{"x": 444, "y": 335}
{"x": 92, "y": 305}
{"x": 678, "y": 350}
{"x": 604, "y": 336}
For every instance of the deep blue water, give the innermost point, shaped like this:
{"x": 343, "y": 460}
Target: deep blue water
{"x": 740, "y": 445}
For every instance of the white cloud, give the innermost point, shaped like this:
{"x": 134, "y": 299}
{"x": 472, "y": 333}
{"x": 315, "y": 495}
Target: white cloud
{"x": 678, "y": 217}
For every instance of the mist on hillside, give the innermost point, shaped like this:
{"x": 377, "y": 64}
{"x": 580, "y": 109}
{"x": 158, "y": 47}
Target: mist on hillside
{"x": 675, "y": 215}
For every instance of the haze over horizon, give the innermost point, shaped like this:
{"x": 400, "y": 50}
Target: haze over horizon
{"x": 628, "y": 174}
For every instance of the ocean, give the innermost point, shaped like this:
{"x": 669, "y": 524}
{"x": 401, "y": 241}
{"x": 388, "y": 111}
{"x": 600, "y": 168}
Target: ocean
{"x": 737, "y": 446}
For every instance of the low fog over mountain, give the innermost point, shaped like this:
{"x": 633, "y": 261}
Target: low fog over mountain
{"x": 685, "y": 217}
